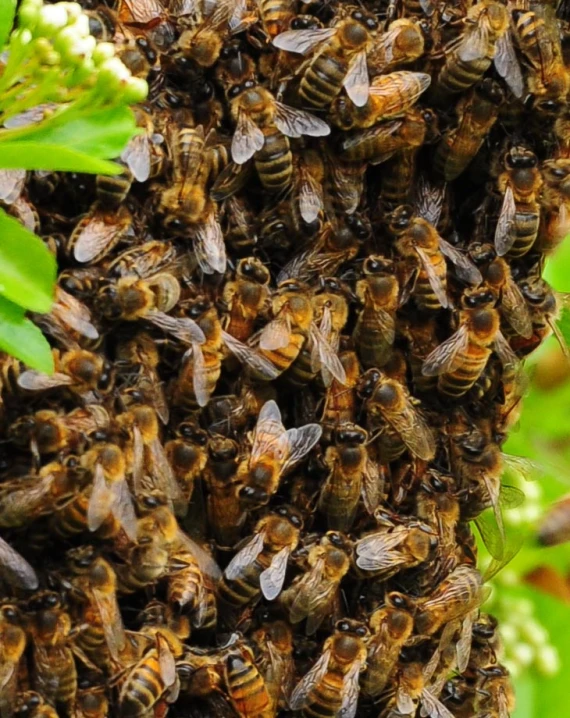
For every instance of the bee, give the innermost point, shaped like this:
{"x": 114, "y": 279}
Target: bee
{"x": 545, "y": 307}
{"x": 274, "y": 641}
{"x": 555, "y": 205}
{"x": 340, "y": 398}
{"x": 259, "y": 567}
{"x": 420, "y": 245}
{"x": 245, "y": 297}
{"x": 495, "y": 692}
{"x": 340, "y": 60}
{"x": 132, "y": 299}
{"x": 263, "y": 126}
{"x": 402, "y": 43}
{"x": 485, "y": 24}
{"x": 274, "y": 450}
{"x": 202, "y": 363}
{"x": 13, "y": 641}
{"x": 277, "y": 15}
{"x": 32, "y": 705}
{"x": 149, "y": 16}
{"x": 83, "y": 372}
{"x": 91, "y": 699}
{"x": 390, "y": 626}
{"x": 394, "y": 547}
{"x": 388, "y": 402}
{"x": 520, "y": 185}
{"x": 331, "y": 688}
{"x": 54, "y": 674}
{"x": 48, "y": 432}
{"x": 69, "y": 321}
{"x": 410, "y": 689}
{"x": 225, "y": 515}
{"x": 380, "y": 143}
{"x": 187, "y": 456}
{"x": 145, "y": 260}
{"x": 94, "y": 588}
{"x": 375, "y": 328}
{"x": 12, "y": 184}
{"x": 460, "y": 360}
{"x": 245, "y": 686}
{"x": 185, "y": 204}
{"x": 351, "y": 474}
{"x": 477, "y": 113}
{"x": 389, "y": 96}
{"x": 313, "y": 594}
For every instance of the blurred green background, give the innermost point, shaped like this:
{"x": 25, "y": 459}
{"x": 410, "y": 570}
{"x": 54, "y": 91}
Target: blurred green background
{"x": 535, "y": 621}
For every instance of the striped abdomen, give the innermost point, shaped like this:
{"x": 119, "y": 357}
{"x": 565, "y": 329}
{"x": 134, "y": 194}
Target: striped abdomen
{"x": 246, "y": 688}
{"x": 526, "y": 224}
{"x": 423, "y": 292}
{"x": 473, "y": 363}
{"x": 322, "y": 81}
{"x": 325, "y": 700}
{"x": 274, "y": 161}
{"x": 143, "y": 687}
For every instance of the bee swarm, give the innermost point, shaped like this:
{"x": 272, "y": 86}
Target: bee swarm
{"x": 288, "y": 345}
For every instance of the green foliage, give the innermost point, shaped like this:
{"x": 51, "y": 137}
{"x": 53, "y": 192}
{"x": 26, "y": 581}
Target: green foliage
{"x": 7, "y": 10}
{"x": 21, "y": 338}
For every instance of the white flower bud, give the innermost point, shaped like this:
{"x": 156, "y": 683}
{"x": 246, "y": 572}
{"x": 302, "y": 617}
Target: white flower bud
{"x": 534, "y": 633}
{"x": 548, "y": 660}
{"x": 523, "y": 654}
{"x": 51, "y": 19}
{"x": 509, "y": 633}
{"x": 103, "y": 51}
{"x": 512, "y": 667}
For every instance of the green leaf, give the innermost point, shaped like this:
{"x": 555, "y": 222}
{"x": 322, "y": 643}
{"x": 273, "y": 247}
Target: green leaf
{"x": 27, "y": 267}
{"x": 22, "y": 339}
{"x": 100, "y": 133}
{"x": 7, "y": 12}
{"x": 56, "y": 158}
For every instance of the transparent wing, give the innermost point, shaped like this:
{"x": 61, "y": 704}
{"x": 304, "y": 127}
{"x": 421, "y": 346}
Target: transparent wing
{"x": 73, "y": 313}
{"x": 435, "y": 281}
{"x": 433, "y": 707}
{"x": 296, "y": 123}
{"x": 310, "y": 196}
{"x": 94, "y": 238}
{"x": 162, "y": 471}
{"x": 209, "y": 246}
{"x": 350, "y": 691}
{"x": 247, "y": 139}
{"x": 376, "y": 552}
{"x": 199, "y": 376}
{"x": 327, "y": 356}
{"x": 391, "y": 87}
{"x": 504, "y": 232}
{"x": 507, "y": 356}
{"x": 166, "y": 661}
{"x": 405, "y": 702}
{"x": 386, "y": 324}
{"x": 138, "y": 459}
{"x": 356, "y": 82}
{"x": 446, "y": 357}
{"x": 251, "y": 358}
{"x": 269, "y": 436}
{"x": 474, "y": 45}
{"x": 206, "y": 563}
{"x": 308, "y": 682}
{"x": 33, "y": 380}
{"x": 19, "y": 571}
{"x": 136, "y": 155}
{"x": 100, "y": 501}
{"x": 372, "y": 486}
{"x": 111, "y": 621}
{"x": 414, "y": 431}
{"x": 271, "y": 580}
{"x": 464, "y": 267}
{"x": 182, "y": 328}
{"x": 463, "y": 646}
{"x": 300, "y": 441}
{"x": 429, "y": 200}
{"x": 244, "y": 558}
{"x": 507, "y": 64}
{"x": 11, "y": 185}
{"x": 302, "y": 41}
{"x": 516, "y": 309}
{"x": 123, "y": 508}
{"x": 277, "y": 333}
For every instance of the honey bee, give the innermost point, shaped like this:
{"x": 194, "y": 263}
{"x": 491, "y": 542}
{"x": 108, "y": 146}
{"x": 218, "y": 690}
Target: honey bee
{"x": 340, "y": 399}
{"x": 495, "y": 694}
{"x": 187, "y": 456}
{"x": 149, "y": 16}
{"x": 410, "y": 689}
{"x": 460, "y": 360}
{"x": 555, "y": 205}
{"x": 379, "y": 143}
{"x": 403, "y": 42}
{"x": 388, "y": 402}
{"x": 245, "y": 297}
{"x": 11, "y": 185}
{"x": 145, "y": 260}
{"x": 477, "y": 113}
{"x": 274, "y": 450}
{"x": 554, "y": 527}
{"x": 91, "y": 699}
{"x": 274, "y": 641}
{"x": 54, "y": 674}
{"x": 352, "y": 474}
{"x": 389, "y": 96}
{"x": 390, "y": 626}
{"x": 375, "y": 328}
{"x": 313, "y": 594}
{"x": 94, "y": 587}
{"x": 394, "y": 547}
{"x": 545, "y": 306}
{"x": 485, "y": 24}
{"x": 245, "y": 686}
{"x": 12, "y": 647}
{"x": 32, "y": 705}
{"x": 520, "y": 185}
{"x": 276, "y": 15}
{"x": 263, "y": 126}
{"x": 331, "y": 687}
{"x": 339, "y": 61}
{"x": 69, "y": 321}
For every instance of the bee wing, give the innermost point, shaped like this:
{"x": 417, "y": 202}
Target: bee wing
{"x": 251, "y": 358}
{"x": 94, "y": 238}
{"x": 516, "y": 309}
{"x": 302, "y": 41}
{"x": 136, "y": 155}
{"x": 299, "y": 442}
{"x": 310, "y": 196}
{"x": 414, "y": 431}
{"x": 463, "y": 646}
{"x": 429, "y": 199}
{"x": 356, "y": 81}
{"x": 152, "y": 386}
{"x": 11, "y": 185}
{"x": 405, "y": 702}
{"x": 376, "y": 551}
{"x": 326, "y": 357}
{"x": 199, "y": 375}
{"x": 182, "y": 328}
{"x": 247, "y": 139}
{"x": 433, "y": 707}
{"x": 504, "y": 351}
{"x": 111, "y": 622}
{"x": 428, "y": 6}
{"x": 435, "y": 282}
{"x": 269, "y": 436}
{"x": 445, "y": 357}
{"x": 392, "y": 86}
{"x": 163, "y": 471}
{"x": 230, "y": 180}
{"x": 465, "y": 268}
{"x": 283, "y": 667}
{"x": 166, "y": 661}
{"x": 474, "y": 44}
{"x": 19, "y": 571}
{"x": 372, "y": 486}
{"x": 138, "y": 459}
{"x": 206, "y": 563}
{"x": 387, "y": 140}
{"x": 308, "y": 682}
{"x": 100, "y": 501}
{"x": 507, "y": 64}
{"x": 387, "y": 325}
{"x": 74, "y": 314}
{"x": 244, "y": 558}
{"x": 33, "y": 380}
{"x": 296, "y": 123}
{"x": 271, "y": 580}
{"x": 350, "y": 691}
{"x": 145, "y": 12}
{"x": 123, "y": 508}
{"x": 504, "y": 234}
{"x": 209, "y": 246}
{"x": 276, "y": 334}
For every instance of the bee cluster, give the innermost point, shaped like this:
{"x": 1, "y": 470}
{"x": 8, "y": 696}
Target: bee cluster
{"x": 288, "y": 344}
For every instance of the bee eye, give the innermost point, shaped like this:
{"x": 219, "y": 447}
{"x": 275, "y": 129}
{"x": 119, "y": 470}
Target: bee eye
{"x": 397, "y": 601}
{"x": 296, "y": 521}
{"x": 371, "y": 23}
{"x": 234, "y": 91}
{"x": 357, "y": 15}
{"x": 437, "y": 484}
{"x": 343, "y": 626}
{"x": 361, "y": 631}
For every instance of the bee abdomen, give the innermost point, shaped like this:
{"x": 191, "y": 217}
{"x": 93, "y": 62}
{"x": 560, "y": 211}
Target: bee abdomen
{"x": 323, "y": 80}
{"x": 458, "y": 382}
{"x": 527, "y": 221}
{"x": 142, "y": 690}
{"x": 458, "y": 76}
{"x": 274, "y": 162}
